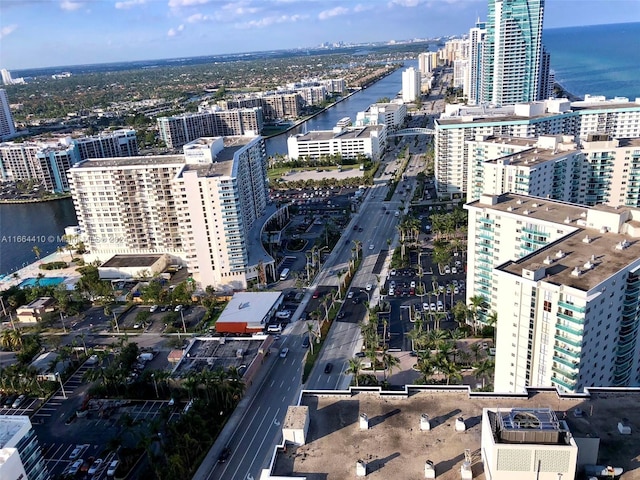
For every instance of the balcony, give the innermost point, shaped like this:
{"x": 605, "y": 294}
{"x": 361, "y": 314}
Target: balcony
{"x": 562, "y": 383}
{"x": 534, "y": 232}
{"x": 566, "y": 329}
{"x": 571, "y": 376}
{"x": 569, "y": 318}
{"x": 566, "y": 362}
{"x": 568, "y": 341}
{"x": 571, "y": 306}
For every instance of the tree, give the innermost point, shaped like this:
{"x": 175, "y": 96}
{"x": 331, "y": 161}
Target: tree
{"x": 355, "y": 365}
{"x": 484, "y": 370}
{"x": 477, "y": 302}
{"x": 311, "y": 333}
{"x": 492, "y": 321}
{"x": 390, "y": 362}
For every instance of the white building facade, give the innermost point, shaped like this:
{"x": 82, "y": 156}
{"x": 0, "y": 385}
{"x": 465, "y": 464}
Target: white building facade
{"x": 411, "y": 85}
{"x": 20, "y": 454}
{"x": 7, "y": 126}
{"x": 349, "y": 142}
{"x": 392, "y": 115}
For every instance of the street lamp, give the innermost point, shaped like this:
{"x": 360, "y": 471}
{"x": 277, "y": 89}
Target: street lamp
{"x": 184, "y": 327}
{"x": 153, "y": 377}
{"x": 368, "y": 296}
{"x": 115, "y": 319}
{"x": 64, "y": 329}
{"x": 64, "y": 395}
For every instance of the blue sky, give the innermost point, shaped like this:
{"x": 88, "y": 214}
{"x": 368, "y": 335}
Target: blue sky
{"x": 42, "y": 33}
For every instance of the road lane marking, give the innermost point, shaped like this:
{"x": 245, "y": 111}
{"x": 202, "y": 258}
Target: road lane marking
{"x": 246, "y": 450}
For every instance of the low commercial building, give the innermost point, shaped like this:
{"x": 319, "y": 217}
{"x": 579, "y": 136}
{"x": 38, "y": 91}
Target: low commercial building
{"x": 33, "y": 311}
{"x": 133, "y": 266}
{"x": 20, "y": 454}
{"x": 349, "y": 143}
{"x": 452, "y": 433}
{"x": 249, "y": 312}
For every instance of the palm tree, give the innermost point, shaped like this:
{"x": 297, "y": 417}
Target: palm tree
{"x": 355, "y": 365}
{"x": 484, "y": 370}
{"x": 492, "y": 321}
{"x": 390, "y": 362}
{"x": 37, "y": 251}
{"x": 385, "y": 324}
{"x": 476, "y": 348}
{"x": 477, "y": 301}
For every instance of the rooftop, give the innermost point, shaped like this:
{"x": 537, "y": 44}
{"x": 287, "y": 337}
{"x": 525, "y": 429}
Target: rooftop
{"x": 118, "y": 261}
{"x": 250, "y": 307}
{"x": 140, "y": 161}
{"x": 347, "y": 133}
{"x": 394, "y": 442}
{"x": 10, "y": 427}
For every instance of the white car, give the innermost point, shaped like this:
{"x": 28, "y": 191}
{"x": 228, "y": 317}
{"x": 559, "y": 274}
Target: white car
{"x": 153, "y": 308}
{"x": 392, "y": 292}
{"x": 113, "y": 466}
{"x": 284, "y": 314}
{"x": 440, "y": 306}
{"x": 425, "y": 307}
{"x": 456, "y": 290}
{"x": 432, "y": 307}
{"x": 178, "y": 308}
{"x": 75, "y": 467}
{"x": 397, "y": 214}
{"x": 413, "y": 284}
{"x": 350, "y": 294}
{"x": 368, "y": 287}
{"x": 77, "y": 452}
{"x": 371, "y": 247}
{"x": 447, "y": 269}
{"x": 283, "y": 352}
{"x": 454, "y": 270}
{"x": 392, "y": 273}
{"x": 95, "y": 466}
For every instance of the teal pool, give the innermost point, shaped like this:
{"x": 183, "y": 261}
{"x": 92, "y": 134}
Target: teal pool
{"x": 44, "y": 282}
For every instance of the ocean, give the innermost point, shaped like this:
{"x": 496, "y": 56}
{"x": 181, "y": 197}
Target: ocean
{"x": 597, "y": 59}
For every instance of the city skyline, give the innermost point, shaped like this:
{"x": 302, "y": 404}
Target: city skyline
{"x": 146, "y": 29}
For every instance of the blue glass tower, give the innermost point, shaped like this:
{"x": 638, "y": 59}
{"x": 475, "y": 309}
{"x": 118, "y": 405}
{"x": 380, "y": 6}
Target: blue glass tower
{"x": 512, "y": 51}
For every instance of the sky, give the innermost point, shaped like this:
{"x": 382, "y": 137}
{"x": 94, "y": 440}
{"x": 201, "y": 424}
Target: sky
{"x": 44, "y": 33}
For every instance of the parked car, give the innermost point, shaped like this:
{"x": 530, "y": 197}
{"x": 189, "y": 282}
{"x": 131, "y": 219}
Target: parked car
{"x": 153, "y": 308}
{"x": 350, "y": 294}
{"x": 283, "y": 352}
{"x": 360, "y": 354}
{"x": 316, "y": 294}
{"x": 113, "y": 466}
{"x": 95, "y": 466}
{"x": 77, "y": 452}
{"x": 18, "y": 401}
{"x": 305, "y": 342}
{"x": 368, "y": 287}
{"x": 224, "y": 454}
{"x": 328, "y": 367}
{"x": 75, "y": 467}
{"x": 178, "y": 308}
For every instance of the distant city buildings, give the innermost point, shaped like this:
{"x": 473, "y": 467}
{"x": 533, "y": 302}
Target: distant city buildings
{"x": 427, "y": 62}
{"x": 179, "y": 130}
{"x": 274, "y": 106}
{"x": 7, "y": 127}
{"x": 349, "y": 143}
{"x": 564, "y": 280}
{"x": 47, "y": 162}
{"x": 20, "y": 453}
{"x": 201, "y": 207}
{"x": 6, "y": 77}
{"x": 411, "y": 85}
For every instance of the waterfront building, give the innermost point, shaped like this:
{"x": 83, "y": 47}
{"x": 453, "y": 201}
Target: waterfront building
{"x": 427, "y": 62}
{"x": 535, "y": 434}
{"x": 411, "y": 84}
{"x": 512, "y": 51}
{"x": 390, "y": 114}
{"x": 349, "y": 143}
{"x": 201, "y": 207}
{"x": 459, "y": 124}
{"x": 20, "y": 454}
{"x": 568, "y": 305}
{"x": 179, "y": 130}
{"x": 335, "y": 86}
{"x": 7, "y": 127}
{"x": 473, "y": 82}
{"x": 312, "y": 95}
{"x": 47, "y": 162}
{"x": 275, "y": 106}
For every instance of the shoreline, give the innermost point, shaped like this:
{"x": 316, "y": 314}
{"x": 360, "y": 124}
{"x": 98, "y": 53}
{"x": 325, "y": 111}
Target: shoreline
{"x": 6, "y": 201}
{"x": 564, "y": 93}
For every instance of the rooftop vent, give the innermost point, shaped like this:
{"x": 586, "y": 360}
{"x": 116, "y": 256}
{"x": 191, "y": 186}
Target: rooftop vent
{"x": 547, "y": 260}
{"x": 519, "y": 202}
{"x": 567, "y": 220}
{"x": 526, "y": 212}
{"x": 460, "y": 425}
{"x": 364, "y": 421}
{"x": 588, "y": 265}
{"x": 559, "y": 254}
{"x": 509, "y": 209}
{"x": 622, "y": 245}
{"x": 583, "y": 214}
{"x": 593, "y": 259}
{"x": 586, "y": 239}
{"x": 361, "y": 468}
{"x": 535, "y": 205}
{"x": 429, "y": 470}
{"x": 604, "y": 229}
{"x": 623, "y": 427}
{"x": 424, "y": 422}
{"x": 575, "y": 272}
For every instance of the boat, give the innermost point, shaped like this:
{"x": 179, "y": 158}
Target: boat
{"x": 344, "y": 122}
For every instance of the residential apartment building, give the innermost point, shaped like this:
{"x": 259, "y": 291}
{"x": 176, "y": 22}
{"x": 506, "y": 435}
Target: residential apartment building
{"x": 179, "y": 130}
{"x": 454, "y": 49}
{"x": 568, "y": 283}
{"x": 427, "y": 62}
{"x": 459, "y": 125}
{"x": 20, "y": 454}
{"x": 512, "y": 51}
{"x": 201, "y": 207}
{"x": 313, "y": 95}
{"x": 349, "y": 142}
{"x": 275, "y": 106}
{"x": 411, "y": 84}
{"x": 392, "y": 115}
{"x": 335, "y": 86}
{"x": 48, "y": 162}
{"x": 7, "y": 127}
{"x": 473, "y": 81}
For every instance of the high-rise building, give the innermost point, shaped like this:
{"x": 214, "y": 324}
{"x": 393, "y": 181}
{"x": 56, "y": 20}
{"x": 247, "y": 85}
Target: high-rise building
{"x": 6, "y": 77}
{"x": 512, "y": 51}
{"x": 390, "y": 114}
{"x": 427, "y": 62}
{"x": 459, "y": 125}
{"x": 569, "y": 290}
{"x": 411, "y": 83}
{"x": 7, "y": 127}
{"x": 473, "y": 82}
{"x": 179, "y": 130}
{"x": 48, "y": 162}
{"x": 20, "y": 454}
{"x": 348, "y": 142}
{"x": 201, "y": 207}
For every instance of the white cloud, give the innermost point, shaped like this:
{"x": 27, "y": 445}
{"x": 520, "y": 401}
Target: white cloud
{"x": 267, "y": 21}
{"x": 175, "y": 31}
{"x": 362, "y": 8}
{"x": 334, "y": 12}
{"x": 8, "y": 30}
{"x": 186, "y": 3}
{"x": 69, "y": 5}
{"x": 129, "y": 3}
{"x": 199, "y": 17}
{"x": 406, "y": 3}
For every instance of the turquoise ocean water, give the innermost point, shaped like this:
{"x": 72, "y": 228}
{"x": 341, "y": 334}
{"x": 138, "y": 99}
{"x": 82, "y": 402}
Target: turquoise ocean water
{"x": 597, "y": 59}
